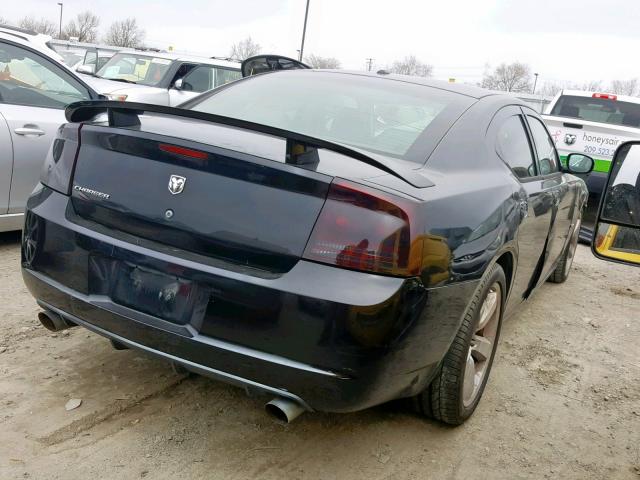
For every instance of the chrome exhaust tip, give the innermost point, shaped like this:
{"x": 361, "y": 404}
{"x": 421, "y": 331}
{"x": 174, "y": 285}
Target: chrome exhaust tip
{"x": 54, "y": 322}
{"x": 284, "y": 410}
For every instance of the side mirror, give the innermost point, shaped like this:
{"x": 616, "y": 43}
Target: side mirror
{"x": 178, "y": 84}
{"x": 87, "y": 69}
{"x": 579, "y": 163}
{"x": 617, "y": 232}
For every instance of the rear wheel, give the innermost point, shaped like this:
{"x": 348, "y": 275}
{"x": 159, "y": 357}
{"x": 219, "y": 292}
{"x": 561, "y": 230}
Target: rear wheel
{"x": 454, "y": 393}
{"x": 561, "y": 273}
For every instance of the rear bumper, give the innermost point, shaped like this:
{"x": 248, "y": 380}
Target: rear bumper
{"x": 331, "y": 339}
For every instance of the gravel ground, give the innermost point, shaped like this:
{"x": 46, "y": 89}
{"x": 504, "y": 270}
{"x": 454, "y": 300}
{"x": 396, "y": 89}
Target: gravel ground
{"x": 563, "y": 401}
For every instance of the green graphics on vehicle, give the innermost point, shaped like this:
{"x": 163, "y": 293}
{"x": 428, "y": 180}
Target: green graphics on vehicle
{"x": 598, "y": 146}
{"x": 592, "y": 123}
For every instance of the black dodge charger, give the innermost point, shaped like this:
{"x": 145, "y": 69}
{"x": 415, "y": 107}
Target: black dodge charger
{"x": 333, "y": 239}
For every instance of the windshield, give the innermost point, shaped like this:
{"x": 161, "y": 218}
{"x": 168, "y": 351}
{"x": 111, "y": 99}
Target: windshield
{"x": 603, "y": 110}
{"x": 134, "y": 68}
{"x": 371, "y": 113}
{"x": 71, "y": 58}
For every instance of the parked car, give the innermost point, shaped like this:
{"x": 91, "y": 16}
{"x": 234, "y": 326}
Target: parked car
{"x": 90, "y": 56}
{"x": 319, "y": 236}
{"x": 160, "y": 78}
{"x": 595, "y": 124}
{"x": 34, "y": 90}
{"x": 37, "y": 41}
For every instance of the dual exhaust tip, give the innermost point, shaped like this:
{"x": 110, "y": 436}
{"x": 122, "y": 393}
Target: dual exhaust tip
{"x": 280, "y": 408}
{"x": 54, "y": 322}
{"x": 284, "y": 410}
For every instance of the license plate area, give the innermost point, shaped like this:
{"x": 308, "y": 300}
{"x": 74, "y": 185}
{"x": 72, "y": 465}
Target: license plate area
{"x": 165, "y": 296}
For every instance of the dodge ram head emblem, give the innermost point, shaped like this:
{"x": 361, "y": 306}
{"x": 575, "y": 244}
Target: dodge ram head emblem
{"x": 176, "y": 184}
{"x": 569, "y": 139}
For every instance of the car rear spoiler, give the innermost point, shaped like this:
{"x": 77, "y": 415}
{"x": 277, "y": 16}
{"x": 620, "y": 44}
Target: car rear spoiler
{"x": 300, "y": 148}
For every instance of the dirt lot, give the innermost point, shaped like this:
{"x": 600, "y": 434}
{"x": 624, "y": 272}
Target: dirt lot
{"x": 563, "y": 402}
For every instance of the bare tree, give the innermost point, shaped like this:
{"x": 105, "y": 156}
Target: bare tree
{"x": 43, "y": 25}
{"x": 244, "y": 49}
{"x": 625, "y": 87}
{"x": 550, "y": 89}
{"x": 84, "y": 27}
{"x": 316, "y": 61}
{"x": 590, "y": 86}
{"x": 512, "y": 77}
{"x": 125, "y": 33}
{"x": 412, "y": 66}
{"x": 4, "y": 21}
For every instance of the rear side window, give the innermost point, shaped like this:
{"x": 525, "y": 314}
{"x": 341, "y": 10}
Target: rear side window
{"x": 512, "y": 145}
{"x": 205, "y": 77}
{"x": 601, "y": 110}
{"x": 547, "y": 156}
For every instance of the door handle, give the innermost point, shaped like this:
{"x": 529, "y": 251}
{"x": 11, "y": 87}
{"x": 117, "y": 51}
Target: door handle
{"x": 25, "y": 131}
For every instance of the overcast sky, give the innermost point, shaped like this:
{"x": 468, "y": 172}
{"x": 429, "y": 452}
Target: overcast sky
{"x": 562, "y": 40}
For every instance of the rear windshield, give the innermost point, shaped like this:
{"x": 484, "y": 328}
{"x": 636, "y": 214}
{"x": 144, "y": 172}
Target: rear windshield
{"x": 383, "y": 116}
{"x": 613, "y": 112}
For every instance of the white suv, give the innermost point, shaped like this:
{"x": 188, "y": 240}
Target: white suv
{"x": 159, "y": 78}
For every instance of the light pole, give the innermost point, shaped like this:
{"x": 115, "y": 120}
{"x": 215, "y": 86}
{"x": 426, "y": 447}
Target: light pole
{"x": 535, "y": 82}
{"x": 60, "y": 33}
{"x": 304, "y": 30}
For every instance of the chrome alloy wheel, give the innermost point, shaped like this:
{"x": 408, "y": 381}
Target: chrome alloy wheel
{"x": 482, "y": 345}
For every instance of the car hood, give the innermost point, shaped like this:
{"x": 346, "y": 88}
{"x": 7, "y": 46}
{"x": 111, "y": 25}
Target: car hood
{"x": 104, "y": 86}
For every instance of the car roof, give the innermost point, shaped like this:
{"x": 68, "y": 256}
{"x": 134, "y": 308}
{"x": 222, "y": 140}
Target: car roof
{"x": 68, "y": 44}
{"x": 460, "y": 88}
{"x": 37, "y": 42}
{"x": 186, "y": 58}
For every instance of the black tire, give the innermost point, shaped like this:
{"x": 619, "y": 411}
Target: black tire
{"x": 118, "y": 345}
{"x": 443, "y": 398}
{"x": 563, "y": 269}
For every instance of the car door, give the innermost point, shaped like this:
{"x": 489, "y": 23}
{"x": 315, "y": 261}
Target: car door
{"x": 6, "y": 165}
{"x": 509, "y": 135}
{"x": 34, "y": 91}
{"x": 562, "y": 192}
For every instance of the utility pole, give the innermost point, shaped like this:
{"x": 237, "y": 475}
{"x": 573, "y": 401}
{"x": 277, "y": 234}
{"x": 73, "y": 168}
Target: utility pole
{"x": 369, "y": 64}
{"x": 535, "y": 82}
{"x": 60, "y": 34}
{"x": 304, "y": 30}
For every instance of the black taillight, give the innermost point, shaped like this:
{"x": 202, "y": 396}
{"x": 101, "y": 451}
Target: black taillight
{"x": 61, "y": 159}
{"x": 365, "y": 229}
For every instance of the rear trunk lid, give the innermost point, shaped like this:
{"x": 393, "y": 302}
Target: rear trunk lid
{"x": 235, "y": 204}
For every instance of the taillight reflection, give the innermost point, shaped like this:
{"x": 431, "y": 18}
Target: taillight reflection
{"x": 60, "y": 161}
{"x": 365, "y": 229}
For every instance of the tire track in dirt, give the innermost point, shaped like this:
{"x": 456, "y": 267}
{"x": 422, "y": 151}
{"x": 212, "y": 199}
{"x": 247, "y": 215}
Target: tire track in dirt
{"x": 118, "y": 408}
